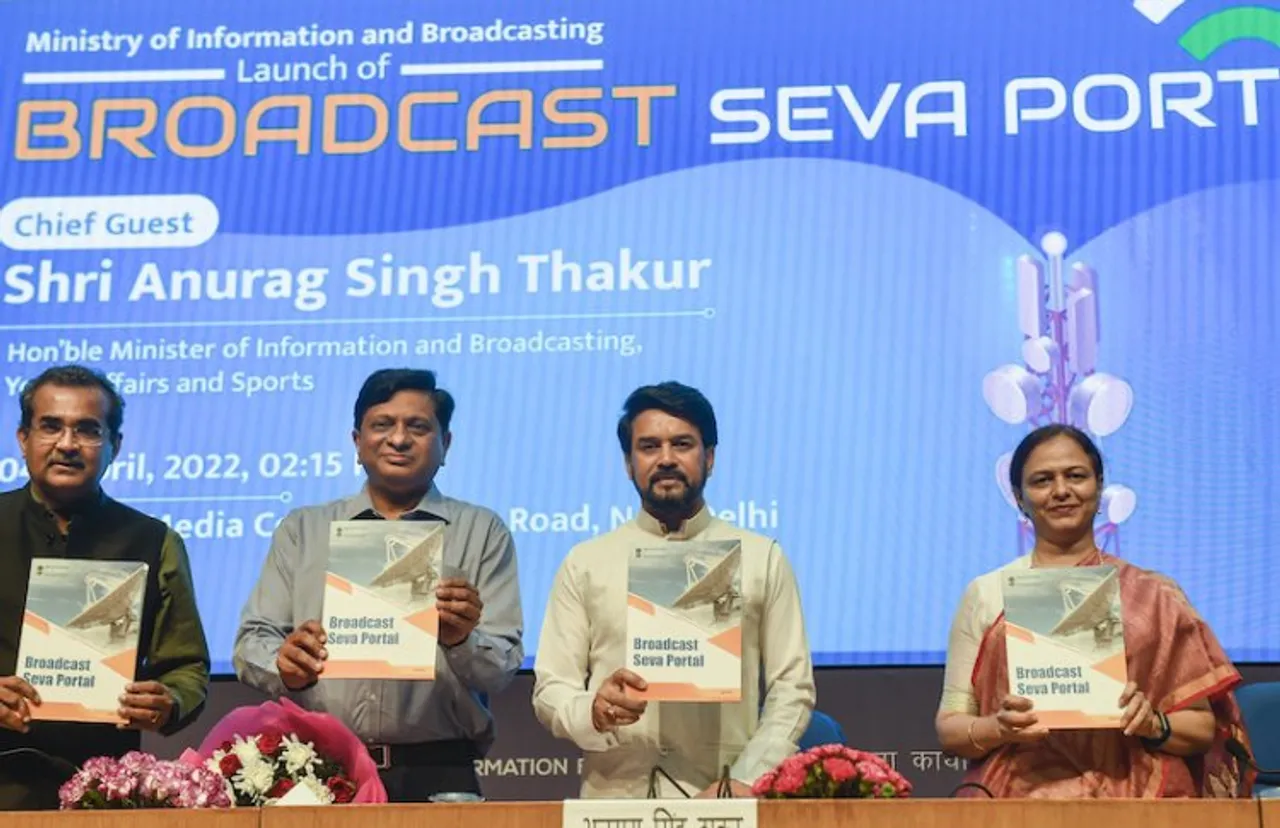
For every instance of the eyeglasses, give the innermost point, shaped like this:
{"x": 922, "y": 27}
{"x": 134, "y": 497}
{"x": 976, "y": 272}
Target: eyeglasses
{"x": 86, "y": 433}
{"x": 414, "y": 428}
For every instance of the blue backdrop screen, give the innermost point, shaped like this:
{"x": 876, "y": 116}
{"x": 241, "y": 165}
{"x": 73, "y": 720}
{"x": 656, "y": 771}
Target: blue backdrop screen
{"x": 885, "y": 244}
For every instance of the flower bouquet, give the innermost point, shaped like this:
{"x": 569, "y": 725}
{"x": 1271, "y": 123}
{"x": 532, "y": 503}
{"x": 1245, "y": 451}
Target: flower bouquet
{"x": 140, "y": 780}
{"x": 262, "y": 753}
{"x": 832, "y": 771}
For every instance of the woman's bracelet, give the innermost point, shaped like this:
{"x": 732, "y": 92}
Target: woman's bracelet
{"x": 973, "y": 741}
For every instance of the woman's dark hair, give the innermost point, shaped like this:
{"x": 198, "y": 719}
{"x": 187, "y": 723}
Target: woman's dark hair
{"x": 675, "y": 399}
{"x": 1043, "y": 435}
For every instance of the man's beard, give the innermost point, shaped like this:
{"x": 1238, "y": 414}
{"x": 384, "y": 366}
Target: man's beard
{"x": 678, "y": 505}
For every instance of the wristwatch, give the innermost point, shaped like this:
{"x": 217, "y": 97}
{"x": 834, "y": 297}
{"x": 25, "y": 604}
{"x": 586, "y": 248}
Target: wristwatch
{"x": 1165, "y": 732}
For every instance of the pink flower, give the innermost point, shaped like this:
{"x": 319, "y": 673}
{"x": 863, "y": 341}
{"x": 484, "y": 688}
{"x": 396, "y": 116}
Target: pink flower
{"x": 791, "y": 780}
{"x": 872, "y": 774}
{"x": 73, "y": 790}
{"x": 98, "y": 767}
{"x": 840, "y": 770}
{"x": 798, "y": 762}
{"x": 135, "y": 761}
{"x": 140, "y": 780}
{"x": 831, "y": 771}
{"x": 764, "y": 785}
{"x": 119, "y": 784}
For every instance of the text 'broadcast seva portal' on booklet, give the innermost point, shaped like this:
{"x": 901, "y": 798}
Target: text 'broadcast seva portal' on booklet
{"x": 380, "y": 599}
{"x": 80, "y": 628}
{"x": 684, "y": 620}
{"x": 1064, "y": 632}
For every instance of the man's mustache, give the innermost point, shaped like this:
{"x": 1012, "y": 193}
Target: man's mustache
{"x": 74, "y": 462}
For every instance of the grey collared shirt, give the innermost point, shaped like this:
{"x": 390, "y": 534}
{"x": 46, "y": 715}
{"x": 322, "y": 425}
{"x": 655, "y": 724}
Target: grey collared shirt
{"x": 290, "y": 591}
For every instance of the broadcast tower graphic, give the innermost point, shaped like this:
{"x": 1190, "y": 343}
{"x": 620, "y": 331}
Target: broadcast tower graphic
{"x": 1058, "y": 380}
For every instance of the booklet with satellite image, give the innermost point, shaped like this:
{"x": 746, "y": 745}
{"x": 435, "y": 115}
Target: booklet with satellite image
{"x": 1064, "y": 632}
{"x": 684, "y": 620}
{"x": 380, "y": 599}
{"x": 80, "y": 628}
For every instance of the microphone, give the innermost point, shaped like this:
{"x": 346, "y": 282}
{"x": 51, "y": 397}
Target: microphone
{"x": 1241, "y": 754}
{"x": 653, "y": 782}
{"x": 977, "y": 785}
{"x": 56, "y": 761}
{"x": 725, "y": 790}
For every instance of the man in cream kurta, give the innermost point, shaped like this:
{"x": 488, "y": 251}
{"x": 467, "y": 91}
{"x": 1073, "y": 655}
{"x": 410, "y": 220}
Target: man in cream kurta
{"x": 583, "y": 642}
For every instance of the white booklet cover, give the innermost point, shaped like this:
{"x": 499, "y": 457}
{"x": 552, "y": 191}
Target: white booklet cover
{"x": 684, "y": 620}
{"x": 80, "y": 629}
{"x": 1064, "y": 633}
{"x": 380, "y": 599}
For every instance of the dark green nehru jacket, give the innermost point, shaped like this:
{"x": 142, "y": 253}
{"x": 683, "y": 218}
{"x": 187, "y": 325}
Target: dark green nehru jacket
{"x": 172, "y": 647}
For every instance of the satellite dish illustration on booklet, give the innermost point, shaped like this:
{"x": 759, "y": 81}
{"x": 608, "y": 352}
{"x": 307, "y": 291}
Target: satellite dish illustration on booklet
{"x": 1064, "y": 633}
{"x": 79, "y": 646}
{"x": 380, "y": 599}
{"x": 684, "y": 620}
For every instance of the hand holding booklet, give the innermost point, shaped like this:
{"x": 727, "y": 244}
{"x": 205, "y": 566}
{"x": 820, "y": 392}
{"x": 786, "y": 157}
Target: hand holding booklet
{"x": 80, "y": 629}
{"x": 1064, "y": 634}
{"x": 380, "y": 614}
{"x": 684, "y": 620}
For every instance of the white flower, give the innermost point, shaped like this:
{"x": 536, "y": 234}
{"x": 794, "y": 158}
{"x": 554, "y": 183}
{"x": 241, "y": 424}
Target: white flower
{"x": 255, "y": 778}
{"x": 318, "y": 788}
{"x": 247, "y": 751}
{"x": 298, "y": 756}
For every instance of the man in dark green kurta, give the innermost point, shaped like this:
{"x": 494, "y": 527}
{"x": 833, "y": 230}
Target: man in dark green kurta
{"x": 69, "y": 434}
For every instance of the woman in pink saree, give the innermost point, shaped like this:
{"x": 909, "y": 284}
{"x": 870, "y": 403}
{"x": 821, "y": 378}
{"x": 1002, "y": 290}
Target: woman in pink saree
{"x": 1178, "y": 711}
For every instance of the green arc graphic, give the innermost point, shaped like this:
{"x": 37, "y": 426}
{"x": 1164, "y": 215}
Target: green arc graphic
{"x": 1212, "y": 32}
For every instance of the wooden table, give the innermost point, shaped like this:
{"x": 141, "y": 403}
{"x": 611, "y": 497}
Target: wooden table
{"x": 230, "y": 818}
{"x": 921, "y": 813}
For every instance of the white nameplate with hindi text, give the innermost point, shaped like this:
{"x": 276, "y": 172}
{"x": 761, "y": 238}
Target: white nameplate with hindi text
{"x": 659, "y": 813}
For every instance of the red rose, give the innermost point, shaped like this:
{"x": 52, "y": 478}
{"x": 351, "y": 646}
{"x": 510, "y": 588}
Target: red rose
{"x": 225, "y": 747}
{"x": 269, "y": 743}
{"x": 280, "y": 788}
{"x": 341, "y": 788}
{"x": 229, "y": 765}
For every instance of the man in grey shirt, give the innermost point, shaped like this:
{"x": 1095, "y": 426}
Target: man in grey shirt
{"x": 424, "y": 735}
